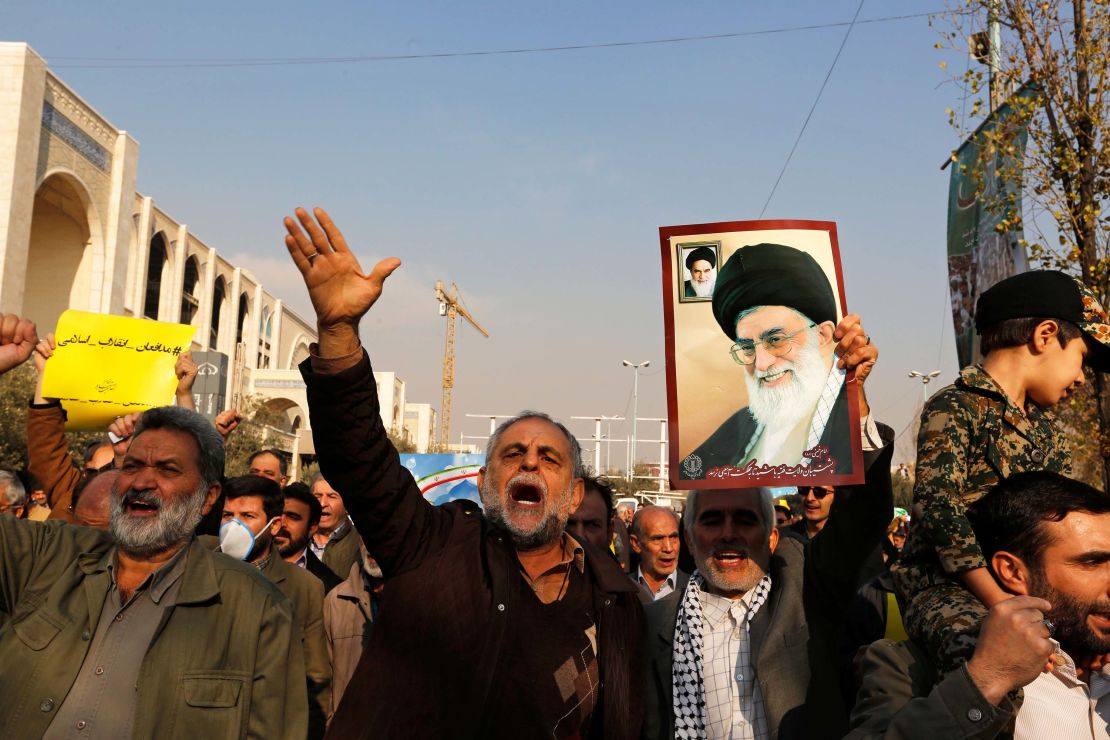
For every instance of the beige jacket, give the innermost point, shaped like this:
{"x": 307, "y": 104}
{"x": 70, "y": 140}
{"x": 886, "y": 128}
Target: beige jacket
{"x": 347, "y": 622}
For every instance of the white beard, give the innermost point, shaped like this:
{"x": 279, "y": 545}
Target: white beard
{"x": 705, "y": 289}
{"x": 783, "y": 407}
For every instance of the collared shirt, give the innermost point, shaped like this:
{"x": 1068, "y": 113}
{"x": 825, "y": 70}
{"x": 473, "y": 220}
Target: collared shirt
{"x": 1059, "y": 704}
{"x": 552, "y": 583}
{"x": 733, "y": 702}
{"x": 302, "y": 559}
{"x": 102, "y": 701}
{"x": 666, "y": 587}
{"x": 318, "y": 550}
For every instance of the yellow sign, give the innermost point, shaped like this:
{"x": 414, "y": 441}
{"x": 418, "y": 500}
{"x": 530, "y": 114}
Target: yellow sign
{"x": 107, "y": 366}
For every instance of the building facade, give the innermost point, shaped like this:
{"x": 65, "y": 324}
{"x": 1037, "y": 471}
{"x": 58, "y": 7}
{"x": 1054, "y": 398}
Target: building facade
{"x": 76, "y": 233}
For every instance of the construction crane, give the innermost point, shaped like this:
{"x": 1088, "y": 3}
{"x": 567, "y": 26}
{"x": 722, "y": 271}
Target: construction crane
{"x": 449, "y": 306}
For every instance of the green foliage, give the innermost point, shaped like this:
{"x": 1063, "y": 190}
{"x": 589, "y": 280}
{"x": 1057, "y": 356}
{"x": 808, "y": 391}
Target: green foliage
{"x": 255, "y": 432}
{"x": 17, "y": 388}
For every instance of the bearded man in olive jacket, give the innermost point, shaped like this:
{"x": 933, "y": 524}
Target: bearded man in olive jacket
{"x": 142, "y": 632}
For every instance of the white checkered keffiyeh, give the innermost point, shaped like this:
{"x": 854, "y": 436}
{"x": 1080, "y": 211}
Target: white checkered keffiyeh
{"x": 825, "y": 404}
{"x": 687, "y": 683}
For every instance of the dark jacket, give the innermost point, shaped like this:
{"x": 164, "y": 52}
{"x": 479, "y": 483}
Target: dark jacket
{"x": 794, "y": 636}
{"x": 437, "y": 657}
{"x": 317, "y": 568}
{"x": 726, "y": 445}
{"x": 901, "y": 700}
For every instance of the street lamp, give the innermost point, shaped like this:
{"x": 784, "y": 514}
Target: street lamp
{"x": 925, "y": 380}
{"x": 635, "y": 409}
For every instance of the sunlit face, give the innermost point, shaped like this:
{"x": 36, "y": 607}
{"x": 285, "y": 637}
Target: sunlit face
{"x": 292, "y": 536}
{"x": 248, "y": 510}
{"x": 730, "y": 542}
{"x": 529, "y": 483}
{"x": 1074, "y": 577}
{"x": 267, "y": 465}
{"x": 589, "y": 522}
{"x": 657, "y": 542}
{"x": 159, "y": 494}
{"x": 1060, "y": 372}
{"x": 817, "y": 502}
{"x": 334, "y": 511}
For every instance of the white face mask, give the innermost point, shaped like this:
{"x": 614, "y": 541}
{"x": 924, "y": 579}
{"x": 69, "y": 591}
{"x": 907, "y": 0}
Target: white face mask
{"x": 236, "y": 538}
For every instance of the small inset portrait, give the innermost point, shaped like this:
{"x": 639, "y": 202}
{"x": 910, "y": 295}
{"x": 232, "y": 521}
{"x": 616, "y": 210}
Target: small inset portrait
{"x": 698, "y": 268}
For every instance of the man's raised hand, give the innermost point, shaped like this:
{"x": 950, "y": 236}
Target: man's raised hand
{"x": 17, "y": 341}
{"x": 340, "y": 293}
{"x": 854, "y": 347}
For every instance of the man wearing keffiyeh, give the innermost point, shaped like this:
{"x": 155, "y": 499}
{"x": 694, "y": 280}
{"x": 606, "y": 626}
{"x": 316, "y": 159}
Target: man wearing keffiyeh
{"x": 748, "y": 649}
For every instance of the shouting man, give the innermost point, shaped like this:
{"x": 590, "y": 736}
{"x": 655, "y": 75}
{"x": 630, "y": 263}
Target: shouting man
{"x": 497, "y": 623}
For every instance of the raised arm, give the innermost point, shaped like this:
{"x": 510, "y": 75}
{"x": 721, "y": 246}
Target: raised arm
{"x": 356, "y": 456}
{"x": 48, "y": 456}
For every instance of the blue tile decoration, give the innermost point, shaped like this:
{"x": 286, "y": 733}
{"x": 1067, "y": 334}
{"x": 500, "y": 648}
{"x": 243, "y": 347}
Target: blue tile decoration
{"x": 66, "y": 130}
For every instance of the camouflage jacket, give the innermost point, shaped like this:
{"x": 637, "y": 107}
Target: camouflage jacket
{"x": 972, "y": 436}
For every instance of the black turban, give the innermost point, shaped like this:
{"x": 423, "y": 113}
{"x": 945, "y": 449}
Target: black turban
{"x": 701, "y": 253}
{"x": 771, "y": 275}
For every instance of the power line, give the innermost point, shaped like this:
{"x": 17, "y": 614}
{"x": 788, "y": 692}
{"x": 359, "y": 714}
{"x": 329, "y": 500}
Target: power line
{"x": 201, "y": 62}
{"x": 812, "y": 108}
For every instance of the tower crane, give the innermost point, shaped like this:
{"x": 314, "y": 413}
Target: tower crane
{"x": 450, "y": 307}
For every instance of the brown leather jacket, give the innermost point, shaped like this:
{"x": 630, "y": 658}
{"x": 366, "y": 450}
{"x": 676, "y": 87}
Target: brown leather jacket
{"x": 49, "y": 460}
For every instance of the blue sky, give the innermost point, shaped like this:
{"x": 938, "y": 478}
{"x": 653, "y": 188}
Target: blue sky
{"x": 537, "y": 182}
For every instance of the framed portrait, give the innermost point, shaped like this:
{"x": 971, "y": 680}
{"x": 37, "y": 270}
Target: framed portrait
{"x": 697, "y": 269}
{"x": 754, "y": 397}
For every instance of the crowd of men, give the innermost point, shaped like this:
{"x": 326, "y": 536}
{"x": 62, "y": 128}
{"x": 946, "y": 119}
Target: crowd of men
{"x": 151, "y": 596}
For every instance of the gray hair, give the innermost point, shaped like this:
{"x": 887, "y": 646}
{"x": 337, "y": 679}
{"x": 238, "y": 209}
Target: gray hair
{"x": 637, "y": 518}
{"x": 575, "y": 448}
{"x": 12, "y": 489}
{"x": 209, "y": 442}
{"x": 766, "y": 508}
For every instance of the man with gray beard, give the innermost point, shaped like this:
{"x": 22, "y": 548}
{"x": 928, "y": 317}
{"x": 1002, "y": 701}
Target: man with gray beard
{"x": 496, "y": 624}
{"x": 776, "y": 305}
{"x": 142, "y": 632}
{"x": 749, "y": 648}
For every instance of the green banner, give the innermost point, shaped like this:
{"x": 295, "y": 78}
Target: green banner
{"x": 980, "y": 252}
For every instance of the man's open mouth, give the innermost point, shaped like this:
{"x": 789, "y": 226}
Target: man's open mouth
{"x": 730, "y": 558}
{"x": 526, "y": 494}
{"x": 140, "y": 508}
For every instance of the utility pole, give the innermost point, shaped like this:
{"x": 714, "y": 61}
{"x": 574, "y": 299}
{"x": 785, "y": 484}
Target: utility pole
{"x": 450, "y": 307}
{"x": 635, "y": 411}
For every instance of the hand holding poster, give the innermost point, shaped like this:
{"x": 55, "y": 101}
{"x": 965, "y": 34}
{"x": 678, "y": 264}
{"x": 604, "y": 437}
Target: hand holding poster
{"x": 106, "y": 366}
{"x": 754, "y": 395}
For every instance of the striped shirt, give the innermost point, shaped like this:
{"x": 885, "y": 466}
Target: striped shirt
{"x": 1059, "y": 704}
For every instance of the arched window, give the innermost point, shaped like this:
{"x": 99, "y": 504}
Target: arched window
{"x": 217, "y": 307}
{"x": 189, "y": 302}
{"x": 159, "y": 256}
{"x": 265, "y": 331}
{"x": 241, "y": 322}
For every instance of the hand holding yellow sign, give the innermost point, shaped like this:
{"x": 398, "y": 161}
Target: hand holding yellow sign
{"x": 106, "y": 366}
